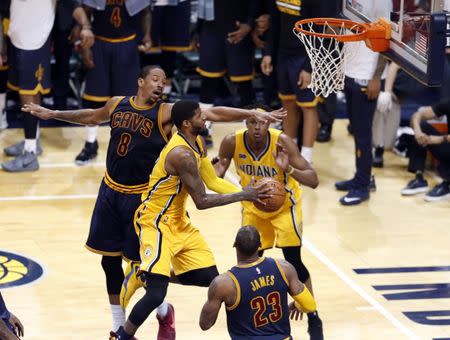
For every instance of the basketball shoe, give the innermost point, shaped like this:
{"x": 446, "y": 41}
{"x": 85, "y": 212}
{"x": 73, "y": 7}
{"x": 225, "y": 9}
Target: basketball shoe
{"x": 88, "y": 153}
{"x": 315, "y": 328}
{"x": 115, "y": 336}
{"x": 167, "y": 325}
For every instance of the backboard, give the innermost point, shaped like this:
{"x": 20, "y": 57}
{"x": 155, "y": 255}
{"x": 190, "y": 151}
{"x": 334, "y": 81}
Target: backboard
{"x": 420, "y": 32}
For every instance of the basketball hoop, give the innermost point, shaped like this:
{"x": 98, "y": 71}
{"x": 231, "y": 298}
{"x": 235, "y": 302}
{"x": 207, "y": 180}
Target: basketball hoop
{"x": 326, "y": 42}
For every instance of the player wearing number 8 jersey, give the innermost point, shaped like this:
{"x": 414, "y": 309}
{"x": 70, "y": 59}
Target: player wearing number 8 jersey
{"x": 255, "y": 294}
{"x": 139, "y": 129}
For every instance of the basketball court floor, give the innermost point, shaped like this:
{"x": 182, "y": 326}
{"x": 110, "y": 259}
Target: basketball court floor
{"x": 380, "y": 270}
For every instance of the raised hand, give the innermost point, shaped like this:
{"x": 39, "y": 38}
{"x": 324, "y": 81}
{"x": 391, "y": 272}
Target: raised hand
{"x": 38, "y": 111}
{"x": 271, "y": 117}
{"x": 281, "y": 157}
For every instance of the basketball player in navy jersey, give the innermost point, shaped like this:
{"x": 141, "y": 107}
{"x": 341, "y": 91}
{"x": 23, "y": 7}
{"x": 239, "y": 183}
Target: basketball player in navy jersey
{"x": 255, "y": 294}
{"x": 140, "y": 128}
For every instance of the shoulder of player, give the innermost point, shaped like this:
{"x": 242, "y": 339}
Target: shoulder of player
{"x": 166, "y": 112}
{"x": 222, "y": 284}
{"x": 285, "y": 266}
{"x": 285, "y": 139}
{"x": 181, "y": 154}
{"x": 229, "y": 141}
{"x": 112, "y": 103}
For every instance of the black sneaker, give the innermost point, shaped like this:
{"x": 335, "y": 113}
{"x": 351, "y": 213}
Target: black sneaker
{"x": 415, "y": 186}
{"x": 350, "y": 184}
{"x": 324, "y": 134}
{"x": 88, "y": 153}
{"x": 355, "y": 196}
{"x": 377, "y": 161}
{"x": 315, "y": 328}
{"x": 438, "y": 193}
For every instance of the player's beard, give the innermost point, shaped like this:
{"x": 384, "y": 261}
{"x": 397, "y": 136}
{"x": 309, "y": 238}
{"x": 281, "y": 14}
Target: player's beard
{"x": 200, "y": 130}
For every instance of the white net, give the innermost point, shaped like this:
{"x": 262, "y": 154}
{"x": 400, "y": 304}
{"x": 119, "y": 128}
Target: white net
{"x": 328, "y": 56}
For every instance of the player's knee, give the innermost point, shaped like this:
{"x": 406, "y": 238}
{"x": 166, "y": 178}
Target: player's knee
{"x": 156, "y": 289}
{"x": 199, "y": 277}
{"x": 112, "y": 266}
{"x": 294, "y": 256}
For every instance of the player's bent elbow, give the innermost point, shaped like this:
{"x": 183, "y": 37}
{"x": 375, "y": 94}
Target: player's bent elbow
{"x": 205, "y": 325}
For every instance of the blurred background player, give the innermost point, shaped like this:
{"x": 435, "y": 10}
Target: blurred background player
{"x": 293, "y": 69}
{"x": 170, "y": 32}
{"x": 113, "y": 63}
{"x": 10, "y": 326}
{"x": 256, "y": 289}
{"x": 257, "y": 152}
{"x": 168, "y": 240}
{"x": 29, "y": 31}
{"x": 226, "y": 48}
{"x": 3, "y": 64}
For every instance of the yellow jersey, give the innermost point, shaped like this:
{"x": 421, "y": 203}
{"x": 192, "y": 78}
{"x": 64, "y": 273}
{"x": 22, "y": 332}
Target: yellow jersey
{"x": 165, "y": 194}
{"x": 249, "y": 165}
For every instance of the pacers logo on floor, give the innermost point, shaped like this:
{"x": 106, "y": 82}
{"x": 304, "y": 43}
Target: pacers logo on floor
{"x": 16, "y": 270}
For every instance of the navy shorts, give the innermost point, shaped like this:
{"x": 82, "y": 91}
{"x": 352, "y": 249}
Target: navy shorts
{"x": 116, "y": 70}
{"x": 112, "y": 230}
{"x": 3, "y": 78}
{"x": 171, "y": 27}
{"x": 288, "y": 70}
{"x": 218, "y": 56}
{"x": 29, "y": 71}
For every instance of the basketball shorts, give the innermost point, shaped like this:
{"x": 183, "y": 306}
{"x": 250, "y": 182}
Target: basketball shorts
{"x": 171, "y": 27}
{"x": 218, "y": 56}
{"x": 3, "y": 78}
{"x": 112, "y": 231}
{"x": 282, "y": 230}
{"x": 288, "y": 70}
{"x": 172, "y": 242}
{"x": 29, "y": 71}
{"x": 116, "y": 70}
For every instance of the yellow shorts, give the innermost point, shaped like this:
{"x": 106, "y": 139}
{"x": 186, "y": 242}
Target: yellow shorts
{"x": 172, "y": 242}
{"x": 285, "y": 228}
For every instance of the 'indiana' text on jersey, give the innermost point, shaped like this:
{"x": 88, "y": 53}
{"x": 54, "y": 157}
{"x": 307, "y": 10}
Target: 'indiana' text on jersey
{"x": 250, "y": 166}
{"x": 137, "y": 138}
{"x": 261, "y": 309}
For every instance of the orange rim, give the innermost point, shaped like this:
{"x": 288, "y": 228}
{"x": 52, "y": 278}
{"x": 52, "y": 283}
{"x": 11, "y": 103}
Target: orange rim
{"x": 359, "y": 30}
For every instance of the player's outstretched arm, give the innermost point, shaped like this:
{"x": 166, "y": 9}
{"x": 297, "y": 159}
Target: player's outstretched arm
{"x": 181, "y": 162}
{"x": 303, "y": 300}
{"x": 214, "y": 183}
{"x": 220, "y": 290}
{"x": 230, "y": 114}
{"x": 226, "y": 152}
{"x": 290, "y": 160}
{"x": 83, "y": 116}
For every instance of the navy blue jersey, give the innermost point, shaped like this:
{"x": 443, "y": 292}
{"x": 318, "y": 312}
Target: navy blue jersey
{"x": 261, "y": 308}
{"x": 114, "y": 22}
{"x": 137, "y": 138}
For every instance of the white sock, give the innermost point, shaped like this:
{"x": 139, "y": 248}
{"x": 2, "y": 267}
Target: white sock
{"x": 3, "y": 121}
{"x": 30, "y": 145}
{"x": 38, "y": 131}
{"x": 167, "y": 89}
{"x": 92, "y": 132}
{"x": 118, "y": 317}
{"x": 307, "y": 153}
{"x": 163, "y": 309}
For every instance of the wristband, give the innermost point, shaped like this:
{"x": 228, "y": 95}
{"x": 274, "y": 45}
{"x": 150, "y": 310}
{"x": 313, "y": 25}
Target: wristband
{"x": 290, "y": 170}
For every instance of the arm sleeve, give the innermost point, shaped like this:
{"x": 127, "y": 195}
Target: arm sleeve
{"x": 305, "y": 301}
{"x": 213, "y": 182}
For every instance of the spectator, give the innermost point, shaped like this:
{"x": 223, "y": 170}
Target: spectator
{"x": 428, "y": 139}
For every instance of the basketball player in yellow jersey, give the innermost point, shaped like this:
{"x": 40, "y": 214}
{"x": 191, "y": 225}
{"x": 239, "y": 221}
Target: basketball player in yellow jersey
{"x": 258, "y": 152}
{"x": 167, "y": 238}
